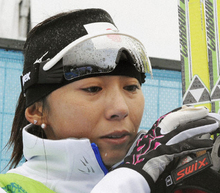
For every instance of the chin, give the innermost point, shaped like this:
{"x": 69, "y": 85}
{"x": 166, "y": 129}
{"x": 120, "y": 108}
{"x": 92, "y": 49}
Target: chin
{"x": 109, "y": 161}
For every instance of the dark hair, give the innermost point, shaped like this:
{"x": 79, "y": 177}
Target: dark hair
{"x": 15, "y": 140}
{"x": 19, "y": 121}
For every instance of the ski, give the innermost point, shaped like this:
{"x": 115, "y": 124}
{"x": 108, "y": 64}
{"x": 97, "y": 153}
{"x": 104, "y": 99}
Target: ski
{"x": 193, "y": 53}
{"x": 212, "y": 18}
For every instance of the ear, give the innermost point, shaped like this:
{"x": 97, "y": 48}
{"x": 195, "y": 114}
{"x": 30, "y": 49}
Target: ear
{"x": 35, "y": 113}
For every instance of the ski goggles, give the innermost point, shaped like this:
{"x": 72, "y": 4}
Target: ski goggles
{"x": 101, "y": 54}
{"x": 88, "y": 55}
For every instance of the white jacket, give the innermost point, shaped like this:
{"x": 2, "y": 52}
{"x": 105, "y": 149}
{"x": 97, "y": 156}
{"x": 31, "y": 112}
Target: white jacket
{"x": 74, "y": 165}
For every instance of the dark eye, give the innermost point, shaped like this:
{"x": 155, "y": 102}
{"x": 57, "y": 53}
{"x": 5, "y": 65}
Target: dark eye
{"x": 92, "y": 89}
{"x": 131, "y": 88}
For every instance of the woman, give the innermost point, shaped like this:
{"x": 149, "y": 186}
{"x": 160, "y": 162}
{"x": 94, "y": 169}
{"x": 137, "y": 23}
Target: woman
{"x": 81, "y": 106}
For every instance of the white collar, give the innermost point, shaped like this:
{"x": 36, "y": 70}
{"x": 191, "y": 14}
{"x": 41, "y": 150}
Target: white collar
{"x": 67, "y": 165}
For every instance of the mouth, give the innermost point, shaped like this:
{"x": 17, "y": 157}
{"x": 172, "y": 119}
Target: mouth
{"x": 116, "y": 137}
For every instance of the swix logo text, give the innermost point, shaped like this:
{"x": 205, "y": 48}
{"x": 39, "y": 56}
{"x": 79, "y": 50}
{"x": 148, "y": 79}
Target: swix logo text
{"x": 191, "y": 168}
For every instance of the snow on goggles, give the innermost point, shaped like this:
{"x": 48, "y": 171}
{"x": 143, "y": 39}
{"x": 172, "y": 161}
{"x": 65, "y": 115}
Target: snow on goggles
{"x": 88, "y": 55}
{"x": 101, "y": 54}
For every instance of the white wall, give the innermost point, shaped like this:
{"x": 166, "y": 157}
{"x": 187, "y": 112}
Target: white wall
{"x": 9, "y": 18}
{"x": 154, "y": 22}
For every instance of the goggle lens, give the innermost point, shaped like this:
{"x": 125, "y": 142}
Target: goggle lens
{"x": 101, "y": 55}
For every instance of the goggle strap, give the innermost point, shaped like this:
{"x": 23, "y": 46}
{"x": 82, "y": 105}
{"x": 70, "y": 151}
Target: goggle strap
{"x": 38, "y": 76}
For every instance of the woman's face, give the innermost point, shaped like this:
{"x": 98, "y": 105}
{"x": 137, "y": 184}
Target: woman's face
{"x": 105, "y": 109}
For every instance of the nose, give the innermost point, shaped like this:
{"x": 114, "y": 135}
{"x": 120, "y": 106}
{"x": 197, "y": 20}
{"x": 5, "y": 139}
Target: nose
{"x": 116, "y": 106}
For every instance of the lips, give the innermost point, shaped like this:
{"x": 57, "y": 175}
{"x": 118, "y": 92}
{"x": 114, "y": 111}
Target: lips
{"x": 116, "y": 137}
{"x": 117, "y": 134}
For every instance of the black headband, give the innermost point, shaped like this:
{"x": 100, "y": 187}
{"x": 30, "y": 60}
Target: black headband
{"x": 48, "y": 39}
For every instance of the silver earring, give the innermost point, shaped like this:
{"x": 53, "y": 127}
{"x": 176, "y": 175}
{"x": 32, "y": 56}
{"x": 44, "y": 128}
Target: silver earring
{"x": 35, "y": 122}
{"x": 43, "y": 125}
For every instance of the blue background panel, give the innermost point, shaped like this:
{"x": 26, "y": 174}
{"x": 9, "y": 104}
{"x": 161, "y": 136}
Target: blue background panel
{"x": 11, "y": 63}
{"x": 162, "y": 94}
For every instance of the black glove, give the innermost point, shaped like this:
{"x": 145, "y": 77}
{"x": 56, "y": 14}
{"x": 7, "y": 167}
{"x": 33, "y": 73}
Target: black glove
{"x": 169, "y": 139}
{"x": 215, "y": 154}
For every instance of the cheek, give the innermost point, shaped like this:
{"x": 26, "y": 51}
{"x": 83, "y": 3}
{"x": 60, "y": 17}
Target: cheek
{"x": 73, "y": 119}
{"x": 137, "y": 109}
